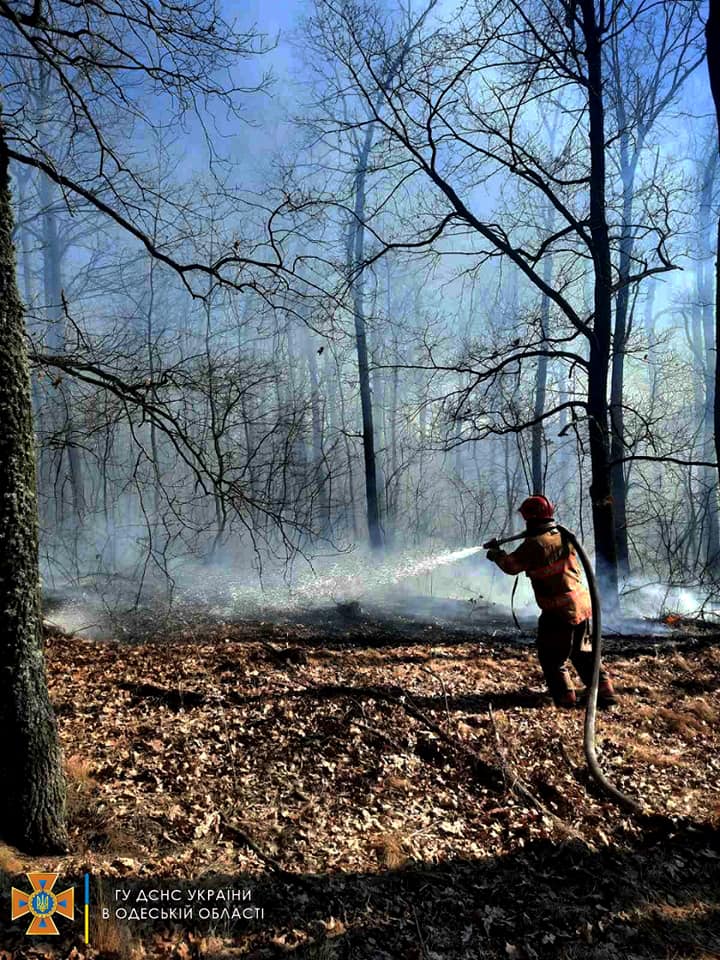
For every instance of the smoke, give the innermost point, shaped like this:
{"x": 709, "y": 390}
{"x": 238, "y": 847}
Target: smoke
{"x": 459, "y": 588}
{"x": 456, "y": 587}
{"x": 355, "y": 576}
{"x": 79, "y": 613}
{"x": 657, "y": 600}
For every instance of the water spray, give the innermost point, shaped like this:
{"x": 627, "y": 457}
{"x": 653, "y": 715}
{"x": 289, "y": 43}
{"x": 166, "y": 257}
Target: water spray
{"x": 589, "y": 738}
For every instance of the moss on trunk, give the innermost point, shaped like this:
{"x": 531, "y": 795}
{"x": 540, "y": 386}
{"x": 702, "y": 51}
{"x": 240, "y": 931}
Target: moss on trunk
{"x": 32, "y": 797}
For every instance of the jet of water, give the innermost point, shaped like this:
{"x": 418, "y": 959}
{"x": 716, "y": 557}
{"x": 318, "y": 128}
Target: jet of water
{"x": 426, "y": 564}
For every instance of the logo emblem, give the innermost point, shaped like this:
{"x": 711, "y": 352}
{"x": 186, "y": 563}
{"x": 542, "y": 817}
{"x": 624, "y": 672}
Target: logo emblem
{"x": 43, "y": 904}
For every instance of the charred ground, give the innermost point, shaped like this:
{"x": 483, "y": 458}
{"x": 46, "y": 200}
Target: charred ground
{"x": 387, "y": 788}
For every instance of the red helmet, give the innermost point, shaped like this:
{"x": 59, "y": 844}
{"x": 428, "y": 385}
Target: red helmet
{"x": 537, "y": 508}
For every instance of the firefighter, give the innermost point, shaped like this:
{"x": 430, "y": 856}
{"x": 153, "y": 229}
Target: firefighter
{"x": 564, "y": 625}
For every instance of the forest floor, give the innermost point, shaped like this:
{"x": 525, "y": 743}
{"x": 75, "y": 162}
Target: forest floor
{"x": 378, "y": 788}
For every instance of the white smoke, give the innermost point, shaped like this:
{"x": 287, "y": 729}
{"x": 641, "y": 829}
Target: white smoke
{"x": 657, "y": 600}
{"x": 458, "y": 587}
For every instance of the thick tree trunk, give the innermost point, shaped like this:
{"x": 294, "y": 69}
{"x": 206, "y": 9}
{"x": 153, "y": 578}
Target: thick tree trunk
{"x": 712, "y": 34}
{"x": 32, "y": 800}
{"x": 710, "y": 418}
{"x": 598, "y": 428}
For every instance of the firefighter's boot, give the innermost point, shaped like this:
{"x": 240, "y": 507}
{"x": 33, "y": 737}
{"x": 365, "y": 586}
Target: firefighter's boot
{"x": 566, "y": 700}
{"x": 560, "y": 687}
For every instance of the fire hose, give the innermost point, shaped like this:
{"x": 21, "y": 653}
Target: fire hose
{"x": 589, "y": 736}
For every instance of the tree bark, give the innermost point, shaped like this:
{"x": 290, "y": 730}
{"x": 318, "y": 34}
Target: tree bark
{"x": 598, "y": 428}
{"x": 358, "y": 285}
{"x": 32, "y": 801}
{"x": 620, "y": 340}
{"x": 712, "y": 35}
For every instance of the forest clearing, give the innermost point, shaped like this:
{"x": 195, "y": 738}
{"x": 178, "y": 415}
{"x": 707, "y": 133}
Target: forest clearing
{"x": 281, "y": 757}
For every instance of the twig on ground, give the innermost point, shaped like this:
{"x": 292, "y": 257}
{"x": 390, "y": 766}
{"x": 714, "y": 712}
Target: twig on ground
{"x": 241, "y": 836}
{"x": 419, "y": 932}
{"x": 444, "y": 689}
{"x": 517, "y": 785}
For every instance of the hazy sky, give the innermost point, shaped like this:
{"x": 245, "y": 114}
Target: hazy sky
{"x": 267, "y": 112}
{"x": 279, "y": 20}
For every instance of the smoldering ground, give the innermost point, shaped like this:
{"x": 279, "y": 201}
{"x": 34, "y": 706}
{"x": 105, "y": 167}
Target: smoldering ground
{"x": 458, "y": 588}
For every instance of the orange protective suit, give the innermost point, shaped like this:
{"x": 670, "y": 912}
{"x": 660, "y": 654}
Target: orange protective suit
{"x": 553, "y": 568}
{"x": 554, "y": 571}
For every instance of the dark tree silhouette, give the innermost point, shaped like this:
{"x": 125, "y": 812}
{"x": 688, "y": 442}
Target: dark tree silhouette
{"x": 712, "y": 34}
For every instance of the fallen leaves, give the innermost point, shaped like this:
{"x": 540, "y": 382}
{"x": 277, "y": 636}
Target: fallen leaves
{"x": 169, "y": 751}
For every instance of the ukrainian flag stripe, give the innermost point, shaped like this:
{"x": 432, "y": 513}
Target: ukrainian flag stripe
{"x": 87, "y": 908}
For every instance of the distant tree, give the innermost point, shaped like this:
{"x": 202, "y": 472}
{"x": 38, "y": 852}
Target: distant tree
{"x": 705, "y": 337}
{"x": 395, "y": 43}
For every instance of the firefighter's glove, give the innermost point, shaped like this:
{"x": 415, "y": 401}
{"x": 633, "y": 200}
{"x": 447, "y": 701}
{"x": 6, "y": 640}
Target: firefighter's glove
{"x": 494, "y": 551}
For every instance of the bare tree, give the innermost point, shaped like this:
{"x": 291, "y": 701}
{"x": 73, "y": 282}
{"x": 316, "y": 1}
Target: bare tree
{"x": 371, "y": 25}
{"x": 703, "y": 322}
{"x": 646, "y": 71}
{"x": 134, "y": 53}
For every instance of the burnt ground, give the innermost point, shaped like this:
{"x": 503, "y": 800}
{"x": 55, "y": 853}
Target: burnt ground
{"x": 383, "y": 788}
